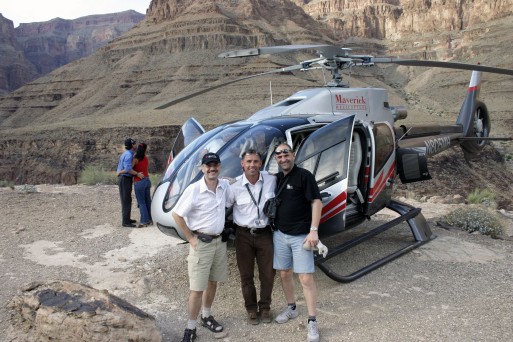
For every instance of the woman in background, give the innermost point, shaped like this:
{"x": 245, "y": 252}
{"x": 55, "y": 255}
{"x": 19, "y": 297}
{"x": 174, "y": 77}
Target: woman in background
{"x": 142, "y": 185}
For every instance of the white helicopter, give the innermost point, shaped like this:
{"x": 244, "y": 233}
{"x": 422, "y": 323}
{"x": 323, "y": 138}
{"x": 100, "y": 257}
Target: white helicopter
{"x": 345, "y": 136}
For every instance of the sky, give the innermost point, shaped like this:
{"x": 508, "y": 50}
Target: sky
{"x": 30, "y": 11}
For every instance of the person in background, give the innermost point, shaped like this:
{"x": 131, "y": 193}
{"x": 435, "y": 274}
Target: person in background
{"x": 200, "y": 214}
{"x": 142, "y": 185}
{"x": 254, "y": 235}
{"x": 297, "y": 221}
{"x": 125, "y": 180}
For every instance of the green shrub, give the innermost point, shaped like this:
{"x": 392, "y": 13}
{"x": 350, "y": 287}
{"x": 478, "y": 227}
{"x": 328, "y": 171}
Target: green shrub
{"x": 6, "y": 184}
{"x": 472, "y": 219}
{"x": 482, "y": 196}
{"x": 96, "y": 174}
{"x": 155, "y": 179}
{"x": 28, "y": 189}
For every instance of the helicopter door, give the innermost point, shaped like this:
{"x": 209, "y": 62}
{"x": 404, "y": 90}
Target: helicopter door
{"x": 325, "y": 153}
{"x": 383, "y": 169}
{"x": 190, "y": 130}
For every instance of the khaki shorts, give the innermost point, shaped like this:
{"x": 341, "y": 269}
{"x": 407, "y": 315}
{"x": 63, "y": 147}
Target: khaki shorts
{"x": 209, "y": 261}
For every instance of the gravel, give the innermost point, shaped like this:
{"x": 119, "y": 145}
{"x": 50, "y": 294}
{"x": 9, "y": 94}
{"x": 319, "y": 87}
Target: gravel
{"x": 457, "y": 287}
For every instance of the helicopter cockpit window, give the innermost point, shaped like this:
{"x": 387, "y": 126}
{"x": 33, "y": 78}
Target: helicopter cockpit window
{"x": 189, "y": 160}
{"x": 259, "y": 138}
{"x": 186, "y": 152}
{"x": 384, "y": 141}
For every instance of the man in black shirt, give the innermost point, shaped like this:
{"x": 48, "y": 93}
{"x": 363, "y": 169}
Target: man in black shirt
{"x": 297, "y": 221}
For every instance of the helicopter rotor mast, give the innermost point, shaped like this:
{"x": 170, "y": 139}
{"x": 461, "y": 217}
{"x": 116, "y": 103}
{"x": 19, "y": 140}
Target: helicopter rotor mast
{"x": 331, "y": 58}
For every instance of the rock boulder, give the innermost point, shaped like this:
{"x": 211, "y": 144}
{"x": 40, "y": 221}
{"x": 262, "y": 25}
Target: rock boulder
{"x": 67, "y": 311}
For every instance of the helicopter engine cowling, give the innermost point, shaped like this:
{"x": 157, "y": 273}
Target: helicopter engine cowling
{"x": 399, "y": 113}
{"x": 480, "y": 129}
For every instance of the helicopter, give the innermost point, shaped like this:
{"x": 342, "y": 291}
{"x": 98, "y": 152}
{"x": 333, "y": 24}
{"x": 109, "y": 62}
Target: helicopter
{"x": 347, "y": 137}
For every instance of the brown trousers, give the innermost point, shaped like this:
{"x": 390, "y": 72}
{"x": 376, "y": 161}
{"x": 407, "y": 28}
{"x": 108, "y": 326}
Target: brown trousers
{"x": 249, "y": 248}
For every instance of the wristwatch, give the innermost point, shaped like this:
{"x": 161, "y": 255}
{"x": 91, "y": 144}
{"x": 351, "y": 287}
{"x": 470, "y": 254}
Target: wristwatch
{"x": 314, "y": 229}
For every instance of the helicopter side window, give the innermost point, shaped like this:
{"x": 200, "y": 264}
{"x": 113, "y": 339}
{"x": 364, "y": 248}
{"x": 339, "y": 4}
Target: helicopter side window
{"x": 297, "y": 140}
{"x": 270, "y": 164}
{"x": 325, "y": 166}
{"x": 384, "y": 141}
{"x": 310, "y": 163}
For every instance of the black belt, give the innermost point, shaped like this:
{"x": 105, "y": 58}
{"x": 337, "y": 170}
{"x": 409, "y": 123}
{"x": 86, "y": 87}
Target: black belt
{"x": 206, "y": 237}
{"x": 255, "y": 231}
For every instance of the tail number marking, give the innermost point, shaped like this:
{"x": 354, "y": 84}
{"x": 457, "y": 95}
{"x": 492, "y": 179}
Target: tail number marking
{"x": 434, "y": 146}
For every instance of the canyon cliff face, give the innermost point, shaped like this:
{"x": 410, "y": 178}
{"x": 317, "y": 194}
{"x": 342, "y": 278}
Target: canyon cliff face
{"x": 173, "y": 52}
{"x": 50, "y": 157}
{"x": 46, "y": 46}
{"x": 15, "y": 69}
{"x": 167, "y": 54}
{"x": 393, "y": 19}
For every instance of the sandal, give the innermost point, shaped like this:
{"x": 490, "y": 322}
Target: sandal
{"x": 211, "y": 324}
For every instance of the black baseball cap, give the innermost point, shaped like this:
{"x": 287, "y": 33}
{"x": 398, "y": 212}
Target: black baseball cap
{"x": 129, "y": 142}
{"x": 210, "y": 157}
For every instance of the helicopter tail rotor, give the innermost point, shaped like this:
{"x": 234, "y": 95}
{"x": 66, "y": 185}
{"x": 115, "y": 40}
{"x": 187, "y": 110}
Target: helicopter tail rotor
{"x": 474, "y": 118}
{"x": 479, "y": 128}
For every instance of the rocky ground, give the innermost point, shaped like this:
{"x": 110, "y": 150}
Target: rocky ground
{"x": 455, "y": 288}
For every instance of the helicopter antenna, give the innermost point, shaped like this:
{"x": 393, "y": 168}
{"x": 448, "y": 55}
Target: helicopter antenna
{"x": 349, "y": 75}
{"x": 405, "y": 133}
{"x": 271, "y": 90}
{"x": 324, "y": 76}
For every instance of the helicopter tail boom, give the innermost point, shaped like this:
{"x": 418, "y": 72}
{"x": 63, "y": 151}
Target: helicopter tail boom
{"x": 471, "y": 130}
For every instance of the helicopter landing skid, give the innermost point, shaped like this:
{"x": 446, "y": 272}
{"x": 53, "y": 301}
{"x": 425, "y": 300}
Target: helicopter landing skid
{"x": 419, "y": 228}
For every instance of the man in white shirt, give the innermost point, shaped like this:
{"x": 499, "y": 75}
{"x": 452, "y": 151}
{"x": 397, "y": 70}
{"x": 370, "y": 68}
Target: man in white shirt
{"x": 254, "y": 237}
{"x": 200, "y": 214}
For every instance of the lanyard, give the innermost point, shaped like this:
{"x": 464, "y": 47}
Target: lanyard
{"x": 253, "y": 198}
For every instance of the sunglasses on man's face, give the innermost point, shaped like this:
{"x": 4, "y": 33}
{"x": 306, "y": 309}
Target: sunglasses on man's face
{"x": 284, "y": 151}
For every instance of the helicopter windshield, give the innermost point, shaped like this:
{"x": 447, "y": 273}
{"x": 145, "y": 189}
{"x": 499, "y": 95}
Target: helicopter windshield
{"x": 229, "y": 143}
{"x": 178, "y": 160}
{"x": 259, "y": 138}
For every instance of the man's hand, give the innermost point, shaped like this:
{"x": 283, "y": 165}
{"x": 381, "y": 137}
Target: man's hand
{"x": 193, "y": 240}
{"x": 311, "y": 239}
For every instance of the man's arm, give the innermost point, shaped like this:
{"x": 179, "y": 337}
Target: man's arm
{"x": 127, "y": 165}
{"x": 312, "y": 238}
{"x": 180, "y": 221}
{"x": 316, "y": 212}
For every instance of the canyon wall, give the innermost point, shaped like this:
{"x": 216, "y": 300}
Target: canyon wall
{"x": 173, "y": 51}
{"x": 35, "y": 49}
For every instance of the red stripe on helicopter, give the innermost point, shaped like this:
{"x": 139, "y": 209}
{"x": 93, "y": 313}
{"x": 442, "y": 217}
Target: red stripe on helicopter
{"x": 337, "y": 205}
{"x": 380, "y": 183}
{"x": 472, "y": 89}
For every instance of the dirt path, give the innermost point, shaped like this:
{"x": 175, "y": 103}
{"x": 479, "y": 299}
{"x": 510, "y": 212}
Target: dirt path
{"x": 455, "y": 288}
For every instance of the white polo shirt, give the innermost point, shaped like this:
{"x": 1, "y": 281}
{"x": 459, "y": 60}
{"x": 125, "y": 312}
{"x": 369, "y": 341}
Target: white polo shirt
{"x": 245, "y": 211}
{"x": 202, "y": 209}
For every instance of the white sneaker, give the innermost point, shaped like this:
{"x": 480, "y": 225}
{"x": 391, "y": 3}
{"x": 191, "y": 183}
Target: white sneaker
{"x": 287, "y": 314}
{"x": 313, "y": 331}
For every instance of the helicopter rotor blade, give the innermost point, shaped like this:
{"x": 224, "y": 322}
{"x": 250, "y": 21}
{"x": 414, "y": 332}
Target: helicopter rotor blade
{"x": 202, "y": 91}
{"x": 327, "y": 51}
{"x": 438, "y": 64}
{"x": 329, "y": 57}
